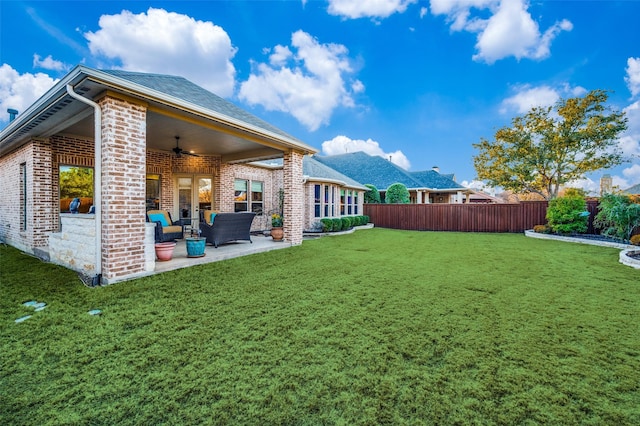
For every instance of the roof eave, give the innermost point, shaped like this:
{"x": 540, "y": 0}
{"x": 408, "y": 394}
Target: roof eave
{"x": 175, "y": 102}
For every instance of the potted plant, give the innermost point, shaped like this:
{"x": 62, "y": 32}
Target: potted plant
{"x": 195, "y": 245}
{"x": 164, "y": 251}
{"x": 276, "y": 227}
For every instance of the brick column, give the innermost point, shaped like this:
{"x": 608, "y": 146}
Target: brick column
{"x": 293, "y": 197}
{"x": 43, "y": 217}
{"x": 124, "y": 143}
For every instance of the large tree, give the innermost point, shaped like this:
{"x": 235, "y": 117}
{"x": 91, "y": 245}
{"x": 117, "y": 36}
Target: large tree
{"x": 550, "y": 146}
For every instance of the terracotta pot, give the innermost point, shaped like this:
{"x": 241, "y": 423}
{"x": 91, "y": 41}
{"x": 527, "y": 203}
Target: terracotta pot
{"x": 277, "y": 233}
{"x": 164, "y": 251}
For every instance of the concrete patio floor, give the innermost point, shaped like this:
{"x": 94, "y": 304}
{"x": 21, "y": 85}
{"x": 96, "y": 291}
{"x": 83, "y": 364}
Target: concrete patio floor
{"x": 179, "y": 260}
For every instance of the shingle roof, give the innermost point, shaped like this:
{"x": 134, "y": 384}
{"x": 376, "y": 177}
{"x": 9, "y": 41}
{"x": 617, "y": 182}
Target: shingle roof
{"x": 634, "y": 190}
{"x": 316, "y": 170}
{"x": 184, "y": 89}
{"x": 433, "y": 179}
{"x": 381, "y": 173}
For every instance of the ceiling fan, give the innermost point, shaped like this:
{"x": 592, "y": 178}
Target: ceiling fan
{"x": 179, "y": 151}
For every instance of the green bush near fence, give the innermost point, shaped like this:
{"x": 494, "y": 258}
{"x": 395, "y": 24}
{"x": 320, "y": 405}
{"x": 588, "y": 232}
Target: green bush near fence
{"x": 568, "y": 214}
{"x": 343, "y": 223}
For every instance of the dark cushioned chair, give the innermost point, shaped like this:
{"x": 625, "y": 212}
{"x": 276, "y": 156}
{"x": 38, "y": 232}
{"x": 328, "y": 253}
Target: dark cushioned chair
{"x": 166, "y": 228}
{"x": 225, "y": 227}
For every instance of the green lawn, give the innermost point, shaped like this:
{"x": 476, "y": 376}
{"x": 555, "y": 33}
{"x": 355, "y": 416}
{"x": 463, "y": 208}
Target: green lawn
{"x": 376, "y": 327}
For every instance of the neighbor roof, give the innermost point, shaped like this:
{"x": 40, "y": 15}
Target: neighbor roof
{"x": 382, "y": 173}
{"x": 634, "y": 190}
{"x": 314, "y": 170}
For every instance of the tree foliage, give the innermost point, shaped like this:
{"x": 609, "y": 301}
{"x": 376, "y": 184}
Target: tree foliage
{"x": 76, "y": 182}
{"x": 372, "y": 195}
{"x": 618, "y": 216}
{"x": 568, "y": 214}
{"x": 550, "y": 146}
{"x": 397, "y": 194}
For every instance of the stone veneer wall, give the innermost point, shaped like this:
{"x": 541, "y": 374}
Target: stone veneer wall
{"x": 74, "y": 246}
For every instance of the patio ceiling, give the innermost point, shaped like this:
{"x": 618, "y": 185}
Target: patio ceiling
{"x": 202, "y": 130}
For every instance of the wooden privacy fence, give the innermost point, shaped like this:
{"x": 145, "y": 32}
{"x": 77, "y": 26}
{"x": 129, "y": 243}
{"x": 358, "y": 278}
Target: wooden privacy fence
{"x": 464, "y": 217}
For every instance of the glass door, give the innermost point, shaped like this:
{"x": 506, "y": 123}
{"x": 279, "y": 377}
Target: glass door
{"x": 195, "y": 193}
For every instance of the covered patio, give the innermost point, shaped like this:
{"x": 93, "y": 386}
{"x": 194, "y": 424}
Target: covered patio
{"x": 259, "y": 244}
{"x": 130, "y": 129}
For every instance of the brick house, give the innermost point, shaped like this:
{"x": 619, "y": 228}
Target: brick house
{"x": 122, "y": 127}
{"x": 425, "y": 187}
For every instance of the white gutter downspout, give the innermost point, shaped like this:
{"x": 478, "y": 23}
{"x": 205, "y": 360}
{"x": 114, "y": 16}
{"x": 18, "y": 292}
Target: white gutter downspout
{"x": 97, "y": 180}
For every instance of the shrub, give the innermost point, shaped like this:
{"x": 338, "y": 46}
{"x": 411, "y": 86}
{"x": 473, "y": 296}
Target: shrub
{"x": 327, "y": 225}
{"x": 635, "y": 240}
{"x": 567, "y": 215}
{"x": 337, "y": 224}
{"x": 366, "y": 219}
{"x": 618, "y": 216}
{"x": 397, "y": 194}
{"x": 541, "y": 229}
{"x": 346, "y": 222}
{"x": 372, "y": 195}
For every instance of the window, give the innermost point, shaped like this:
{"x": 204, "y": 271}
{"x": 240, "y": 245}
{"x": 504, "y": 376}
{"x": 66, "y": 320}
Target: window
{"x": 350, "y": 202}
{"x": 76, "y": 182}
{"x": 355, "y": 202}
{"x": 342, "y": 202}
{"x": 243, "y": 203}
{"x": 256, "y": 197}
{"x": 316, "y": 200}
{"x": 326, "y": 200}
{"x": 23, "y": 197}
{"x": 240, "y": 195}
{"x": 153, "y": 193}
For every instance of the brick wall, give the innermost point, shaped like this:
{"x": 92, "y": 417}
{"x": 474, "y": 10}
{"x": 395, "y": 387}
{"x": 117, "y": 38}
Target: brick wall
{"x": 294, "y": 202}
{"x": 271, "y": 178}
{"x": 123, "y": 183}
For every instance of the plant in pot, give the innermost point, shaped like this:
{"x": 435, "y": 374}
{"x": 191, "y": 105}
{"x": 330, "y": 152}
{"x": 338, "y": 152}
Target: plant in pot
{"x": 277, "y": 232}
{"x": 164, "y": 251}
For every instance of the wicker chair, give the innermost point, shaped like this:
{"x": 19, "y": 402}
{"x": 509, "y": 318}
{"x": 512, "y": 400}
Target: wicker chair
{"x": 167, "y": 229}
{"x": 226, "y": 227}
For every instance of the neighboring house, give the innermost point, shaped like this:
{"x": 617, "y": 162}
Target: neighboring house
{"x": 327, "y": 192}
{"x": 425, "y": 187}
{"x": 121, "y": 127}
{"x": 634, "y": 190}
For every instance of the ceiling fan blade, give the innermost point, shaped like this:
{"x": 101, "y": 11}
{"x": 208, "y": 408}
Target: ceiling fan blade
{"x": 179, "y": 151}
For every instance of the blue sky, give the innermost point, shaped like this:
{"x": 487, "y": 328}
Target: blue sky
{"x": 415, "y": 81}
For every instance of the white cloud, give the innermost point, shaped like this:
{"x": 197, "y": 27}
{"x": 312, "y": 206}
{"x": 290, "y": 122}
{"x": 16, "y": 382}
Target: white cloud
{"x": 48, "y": 63}
{"x": 423, "y": 12}
{"x": 342, "y": 144}
{"x": 354, "y": 9}
{"x": 590, "y": 186}
{"x": 509, "y": 31}
{"x": 19, "y": 91}
{"x": 527, "y": 97}
{"x": 309, "y": 84}
{"x": 633, "y": 76}
{"x": 630, "y": 140}
{"x": 632, "y": 173}
{"x": 170, "y": 43}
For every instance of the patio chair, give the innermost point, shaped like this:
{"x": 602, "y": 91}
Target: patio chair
{"x": 166, "y": 229}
